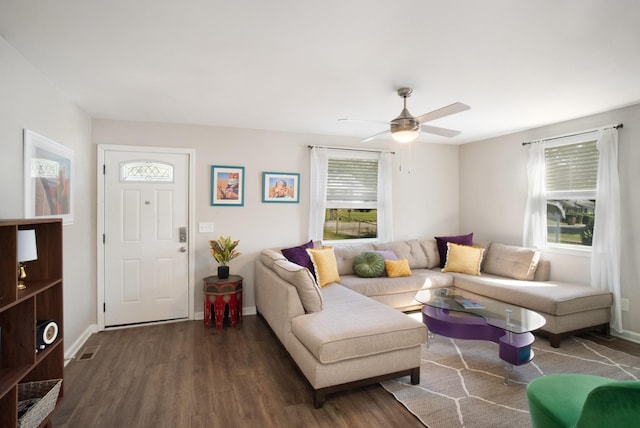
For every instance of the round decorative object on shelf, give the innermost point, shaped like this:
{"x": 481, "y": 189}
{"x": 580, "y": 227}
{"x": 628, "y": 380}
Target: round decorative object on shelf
{"x": 46, "y": 333}
{"x": 223, "y": 272}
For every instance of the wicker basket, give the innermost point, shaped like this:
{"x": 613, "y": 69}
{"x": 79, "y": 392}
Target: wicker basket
{"x": 39, "y": 399}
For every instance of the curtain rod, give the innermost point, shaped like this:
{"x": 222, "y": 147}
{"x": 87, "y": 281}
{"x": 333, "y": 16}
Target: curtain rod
{"x": 604, "y": 128}
{"x": 353, "y": 149}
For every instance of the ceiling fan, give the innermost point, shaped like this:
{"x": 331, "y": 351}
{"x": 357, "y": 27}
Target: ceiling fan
{"x": 406, "y": 127}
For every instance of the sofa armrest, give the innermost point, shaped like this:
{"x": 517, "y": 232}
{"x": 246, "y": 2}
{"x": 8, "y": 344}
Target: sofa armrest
{"x": 276, "y": 300}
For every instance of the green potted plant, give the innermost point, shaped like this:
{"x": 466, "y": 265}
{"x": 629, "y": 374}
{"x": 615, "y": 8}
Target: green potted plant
{"x": 223, "y": 251}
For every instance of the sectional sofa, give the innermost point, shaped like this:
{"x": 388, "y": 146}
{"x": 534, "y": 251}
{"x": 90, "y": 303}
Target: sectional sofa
{"x": 344, "y": 330}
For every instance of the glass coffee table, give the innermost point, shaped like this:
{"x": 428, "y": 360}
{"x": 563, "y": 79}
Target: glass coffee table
{"x": 454, "y": 313}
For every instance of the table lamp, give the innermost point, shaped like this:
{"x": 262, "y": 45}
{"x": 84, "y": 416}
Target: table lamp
{"x": 27, "y": 251}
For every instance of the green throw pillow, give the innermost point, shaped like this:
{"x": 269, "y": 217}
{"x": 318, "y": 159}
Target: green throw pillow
{"x": 368, "y": 265}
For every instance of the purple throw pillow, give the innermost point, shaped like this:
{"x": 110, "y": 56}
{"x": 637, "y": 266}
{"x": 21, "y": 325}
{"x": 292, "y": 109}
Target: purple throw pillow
{"x": 386, "y": 254}
{"x": 299, "y": 256}
{"x": 441, "y": 241}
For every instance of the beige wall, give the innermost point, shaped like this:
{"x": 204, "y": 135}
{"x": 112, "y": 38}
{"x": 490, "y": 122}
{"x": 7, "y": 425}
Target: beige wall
{"x": 29, "y": 101}
{"x": 493, "y": 189}
{"x": 421, "y": 209}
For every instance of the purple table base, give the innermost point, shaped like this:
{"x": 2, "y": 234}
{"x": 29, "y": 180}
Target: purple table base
{"x": 514, "y": 348}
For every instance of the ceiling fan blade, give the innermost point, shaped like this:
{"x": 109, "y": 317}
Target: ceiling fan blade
{"x": 444, "y": 132}
{"x": 442, "y": 112}
{"x": 366, "y": 140}
{"x": 364, "y": 120}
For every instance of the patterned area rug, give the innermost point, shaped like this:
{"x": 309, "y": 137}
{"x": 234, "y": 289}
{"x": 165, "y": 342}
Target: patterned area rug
{"x": 462, "y": 381}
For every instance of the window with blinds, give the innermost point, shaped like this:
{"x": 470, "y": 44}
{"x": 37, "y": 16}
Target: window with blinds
{"x": 571, "y": 178}
{"x": 352, "y": 182}
{"x": 352, "y": 194}
{"x": 573, "y": 167}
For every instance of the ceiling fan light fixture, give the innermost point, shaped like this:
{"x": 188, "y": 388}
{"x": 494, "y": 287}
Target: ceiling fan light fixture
{"x": 405, "y": 136}
{"x": 404, "y": 130}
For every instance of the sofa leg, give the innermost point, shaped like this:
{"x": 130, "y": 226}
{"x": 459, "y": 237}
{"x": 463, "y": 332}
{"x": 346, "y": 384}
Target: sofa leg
{"x": 554, "y": 340}
{"x": 318, "y": 398}
{"x": 415, "y": 376}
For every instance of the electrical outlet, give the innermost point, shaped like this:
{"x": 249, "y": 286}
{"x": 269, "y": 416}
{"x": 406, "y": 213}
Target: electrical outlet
{"x": 205, "y": 227}
{"x": 624, "y": 304}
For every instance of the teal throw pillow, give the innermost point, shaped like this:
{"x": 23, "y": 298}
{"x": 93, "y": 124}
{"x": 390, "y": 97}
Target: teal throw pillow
{"x": 368, "y": 265}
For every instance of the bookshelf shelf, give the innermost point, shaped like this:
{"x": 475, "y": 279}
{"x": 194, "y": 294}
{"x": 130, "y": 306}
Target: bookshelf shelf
{"x": 20, "y": 361}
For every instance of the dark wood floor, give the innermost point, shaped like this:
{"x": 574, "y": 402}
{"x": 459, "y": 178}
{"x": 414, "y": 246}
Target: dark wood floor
{"x": 182, "y": 375}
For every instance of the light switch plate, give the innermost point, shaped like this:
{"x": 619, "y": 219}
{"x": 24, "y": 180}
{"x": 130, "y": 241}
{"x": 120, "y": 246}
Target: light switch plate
{"x": 205, "y": 227}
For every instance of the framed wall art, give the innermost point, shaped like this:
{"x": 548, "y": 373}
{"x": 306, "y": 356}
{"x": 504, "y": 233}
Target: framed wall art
{"x": 227, "y": 185}
{"x": 48, "y": 178}
{"x": 280, "y": 187}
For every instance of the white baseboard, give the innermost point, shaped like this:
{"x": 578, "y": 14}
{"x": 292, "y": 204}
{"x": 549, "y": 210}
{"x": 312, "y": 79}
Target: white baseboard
{"x": 631, "y": 336}
{"x": 70, "y": 353}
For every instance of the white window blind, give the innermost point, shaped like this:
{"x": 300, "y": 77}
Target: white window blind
{"x": 352, "y": 183}
{"x": 572, "y": 167}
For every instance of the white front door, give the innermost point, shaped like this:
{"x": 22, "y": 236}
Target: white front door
{"x": 146, "y": 215}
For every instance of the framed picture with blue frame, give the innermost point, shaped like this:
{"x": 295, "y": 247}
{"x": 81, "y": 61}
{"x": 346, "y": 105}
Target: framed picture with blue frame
{"x": 281, "y": 187}
{"x": 227, "y": 185}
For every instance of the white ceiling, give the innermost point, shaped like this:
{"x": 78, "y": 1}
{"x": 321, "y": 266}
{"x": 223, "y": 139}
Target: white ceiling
{"x": 299, "y": 65}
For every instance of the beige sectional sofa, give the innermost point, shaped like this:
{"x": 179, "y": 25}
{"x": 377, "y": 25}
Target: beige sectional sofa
{"x": 338, "y": 338}
{"x": 353, "y": 332}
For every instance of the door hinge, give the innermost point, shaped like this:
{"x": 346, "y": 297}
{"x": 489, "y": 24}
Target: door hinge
{"x": 104, "y": 169}
{"x": 104, "y": 307}
{"x": 104, "y": 238}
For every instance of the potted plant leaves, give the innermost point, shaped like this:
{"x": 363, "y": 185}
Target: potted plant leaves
{"x": 223, "y": 251}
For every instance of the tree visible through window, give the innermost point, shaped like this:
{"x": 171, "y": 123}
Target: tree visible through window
{"x": 571, "y": 173}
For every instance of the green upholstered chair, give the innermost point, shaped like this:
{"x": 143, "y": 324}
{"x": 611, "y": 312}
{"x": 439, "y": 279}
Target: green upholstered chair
{"x": 583, "y": 401}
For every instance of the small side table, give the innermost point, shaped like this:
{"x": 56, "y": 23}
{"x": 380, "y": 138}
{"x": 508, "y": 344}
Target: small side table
{"x": 220, "y": 293}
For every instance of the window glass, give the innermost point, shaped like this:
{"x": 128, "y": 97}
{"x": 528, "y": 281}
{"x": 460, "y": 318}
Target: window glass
{"x": 571, "y": 172}
{"x": 146, "y": 171}
{"x": 347, "y": 223}
{"x": 570, "y": 221}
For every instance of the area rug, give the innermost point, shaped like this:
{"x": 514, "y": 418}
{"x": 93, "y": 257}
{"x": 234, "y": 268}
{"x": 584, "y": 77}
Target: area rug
{"x": 462, "y": 381}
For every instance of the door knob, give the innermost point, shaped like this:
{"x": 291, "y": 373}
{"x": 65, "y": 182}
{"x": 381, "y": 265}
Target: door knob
{"x": 183, "y": 249}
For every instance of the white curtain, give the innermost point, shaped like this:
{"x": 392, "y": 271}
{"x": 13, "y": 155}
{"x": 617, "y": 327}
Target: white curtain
{"x": 534, "y": 233}
{"x": 605, "y": 252}
{"x": 385, "y": 197}
{"x": 318, "y": 191}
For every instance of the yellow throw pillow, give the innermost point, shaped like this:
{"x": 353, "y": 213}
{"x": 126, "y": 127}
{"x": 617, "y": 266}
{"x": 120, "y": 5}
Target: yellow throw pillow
{"x": 463, "y": 259}
{"x": 397, "y": 268}
{"x": 324, "y": 263}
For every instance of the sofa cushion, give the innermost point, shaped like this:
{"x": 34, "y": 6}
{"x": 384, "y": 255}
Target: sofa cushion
{"x": 345, "y": 254}
{"x": 396, "y": 268}
{"x": 463, "y": 259}
{"x": 324, "y": 263}
{"x": 420, "y": 279}
{"x": 412, "y": 250}
{"x": 458, "y": 239}
{"x": 511, "y": 261}
{"x": 269, "y": 256}
{"x": 431, "y": 250}
{"x": 301, "y": 278}
{"x": 549, "y": 297}
{"x": 368, "y": 265}
{"x": 299, "y": 255}
{"x": 352, "y": 326}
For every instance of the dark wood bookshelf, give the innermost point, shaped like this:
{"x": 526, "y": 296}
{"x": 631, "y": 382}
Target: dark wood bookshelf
{"x": 20, "y": 310}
